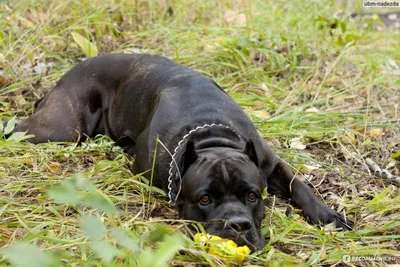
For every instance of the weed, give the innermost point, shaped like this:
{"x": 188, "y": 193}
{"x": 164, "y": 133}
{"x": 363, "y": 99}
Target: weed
{"x": 322, "y": 89}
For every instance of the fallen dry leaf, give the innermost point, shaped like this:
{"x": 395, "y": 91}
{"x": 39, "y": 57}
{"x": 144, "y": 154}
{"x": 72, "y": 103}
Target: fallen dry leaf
{"x": 55, "y": 167}
{"x": 311, "y": 168}
{"x": 373, "y": 132}
{"x": 235, "y": 18}
{"x": 312, "y": 109}
{"x": 296, "y": 143}
{"x": 262, "y": 114}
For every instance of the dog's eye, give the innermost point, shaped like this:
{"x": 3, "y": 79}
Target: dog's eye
{"x": 204, "y": 200}
{"x": 252, "y": 196}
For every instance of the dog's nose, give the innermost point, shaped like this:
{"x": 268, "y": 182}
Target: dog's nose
{"x": 240, "y": 224}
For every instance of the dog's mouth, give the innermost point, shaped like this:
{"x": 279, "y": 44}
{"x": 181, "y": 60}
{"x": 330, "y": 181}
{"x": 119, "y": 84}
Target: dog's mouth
{"x": 251, "y": 237}
{"x": 239, "y": 238}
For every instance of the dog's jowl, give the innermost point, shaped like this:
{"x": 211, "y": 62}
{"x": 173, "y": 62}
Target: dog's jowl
{"x": 211, "y": 161}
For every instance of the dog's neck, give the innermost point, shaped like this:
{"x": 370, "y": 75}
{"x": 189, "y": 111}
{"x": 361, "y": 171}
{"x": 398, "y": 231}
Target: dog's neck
{"x": 219, "y": 142}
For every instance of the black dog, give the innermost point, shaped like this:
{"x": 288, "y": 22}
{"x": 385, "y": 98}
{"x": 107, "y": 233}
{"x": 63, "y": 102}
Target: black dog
{"x": 209, "y": 158}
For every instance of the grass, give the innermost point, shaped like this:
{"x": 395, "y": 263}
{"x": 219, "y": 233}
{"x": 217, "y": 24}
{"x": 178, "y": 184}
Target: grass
{"x": 302, "y": 70}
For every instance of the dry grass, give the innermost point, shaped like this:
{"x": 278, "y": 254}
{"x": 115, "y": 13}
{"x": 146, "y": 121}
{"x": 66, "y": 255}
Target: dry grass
{"x": 303, "y": 71}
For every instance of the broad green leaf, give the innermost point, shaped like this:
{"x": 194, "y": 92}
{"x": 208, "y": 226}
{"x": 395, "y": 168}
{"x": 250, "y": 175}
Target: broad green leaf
{"x": 85, "y": 184}
{"x": 65, "y": 193}
{"x": 28, "y": 255}
{"x": 104, "y": 164}
{"x": 146, "y": 258}
{"x": 165, "y": 251}
{"x": 168, "y": 248}
{"x": 99, "y": 202}
{"x": 396, "y": 156}
{"x": 105, "y": 251}
{"x": 10, "y": 125}
{"x": 158, "y": 234}
{"x": 125, "y": 240}
{"x": 316, "y": 257}
{"x": 19, "y": 136}
{"x": 93, "y": 227}
{"x": 88, "y": 47}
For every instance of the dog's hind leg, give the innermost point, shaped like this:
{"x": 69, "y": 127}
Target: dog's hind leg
{"x": 60, "y": 118}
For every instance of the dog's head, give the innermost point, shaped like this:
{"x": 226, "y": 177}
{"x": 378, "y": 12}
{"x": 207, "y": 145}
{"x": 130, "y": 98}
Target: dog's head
{"x": 222, "y": 187}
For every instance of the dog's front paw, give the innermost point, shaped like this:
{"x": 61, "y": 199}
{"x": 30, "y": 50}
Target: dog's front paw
{"x": 322, "y": 215}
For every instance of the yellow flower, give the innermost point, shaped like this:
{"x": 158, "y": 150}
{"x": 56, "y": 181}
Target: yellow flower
{"x": 227, "y": 250}
{"x": 242, "y": 252}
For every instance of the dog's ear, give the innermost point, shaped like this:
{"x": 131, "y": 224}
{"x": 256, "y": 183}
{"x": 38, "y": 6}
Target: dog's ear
{"x": 189, "y": 156}
{"x": 250, "y": 151}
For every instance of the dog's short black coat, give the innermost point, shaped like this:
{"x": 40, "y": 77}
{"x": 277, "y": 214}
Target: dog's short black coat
{"x": 220, "y": 164}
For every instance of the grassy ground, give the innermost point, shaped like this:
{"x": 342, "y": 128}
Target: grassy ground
{"x": 321, "y": 88}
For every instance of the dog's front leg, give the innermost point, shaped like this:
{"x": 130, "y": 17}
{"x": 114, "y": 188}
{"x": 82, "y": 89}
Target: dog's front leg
{"x": 282, "y": 182}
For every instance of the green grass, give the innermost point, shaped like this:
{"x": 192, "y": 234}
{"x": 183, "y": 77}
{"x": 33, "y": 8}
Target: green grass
{"x": 300, "y": 69}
